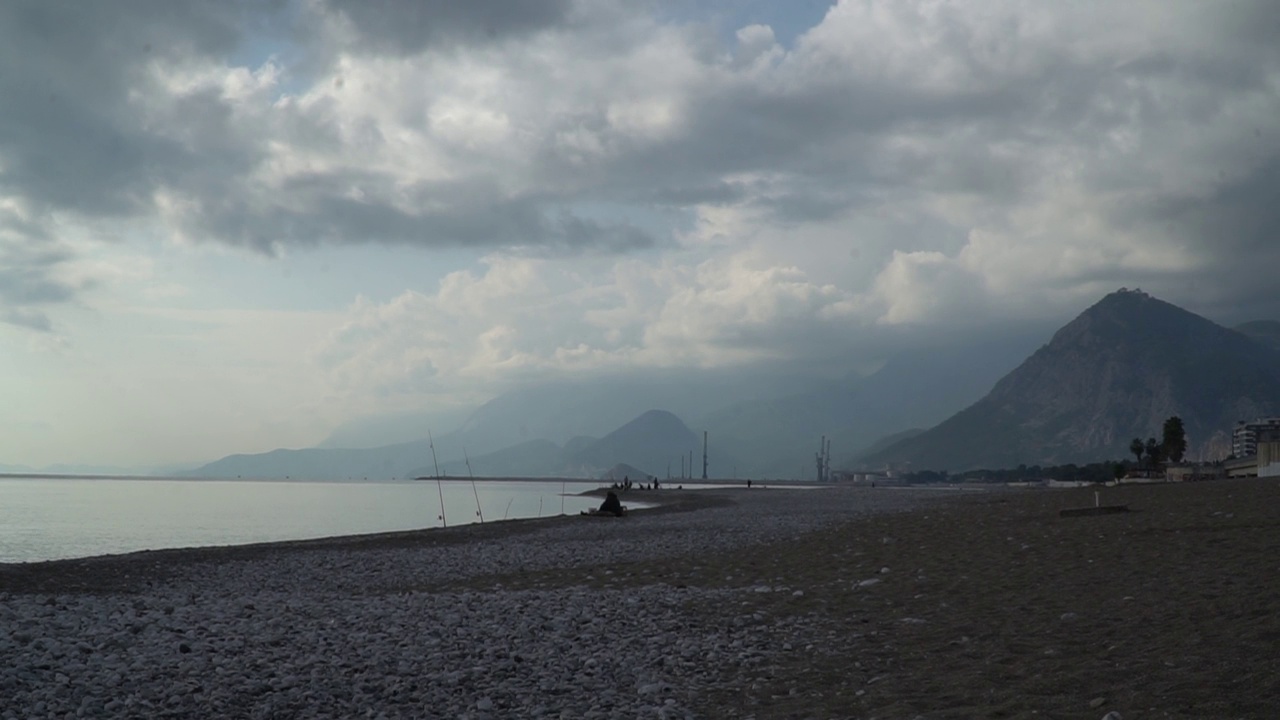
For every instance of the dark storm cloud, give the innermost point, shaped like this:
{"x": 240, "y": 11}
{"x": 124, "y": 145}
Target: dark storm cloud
{"x": 713, "y": 193}
{"x": 69, "y": 136}
{"x": 73, "y": 137}
{"x": 445, "y": 214}
{"x": 86, "y": 128}
{"x": 1242, "y": 214}
{"x": 29, "y": 281}
{"x": 828, "y": 139}
{"x": 1235, "y": 230}
{"x": 81, "y": 134}
{"x": 28, "y": 318}
{"x": 409, "y": 26}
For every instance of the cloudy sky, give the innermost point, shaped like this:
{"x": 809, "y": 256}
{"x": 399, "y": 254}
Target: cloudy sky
{"x": 229, "y": 226}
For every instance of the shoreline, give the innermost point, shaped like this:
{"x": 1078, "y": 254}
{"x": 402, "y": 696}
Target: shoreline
{"x": 41, "y": 518}
{"x": 114, "y": 572}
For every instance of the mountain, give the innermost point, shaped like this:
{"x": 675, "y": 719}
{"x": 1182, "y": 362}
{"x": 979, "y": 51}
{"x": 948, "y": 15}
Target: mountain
{"x": 915, "y": 388}
{"x": 762, "y": 423}
{"x": 1114, "y": 373}
{"x": 1266, "y": 332}
{"x": 890, "y": 440}
{"x": 382, "y": 463}
{"x": 533, "y": 458}
{"x": 392, "y": 428}
{"x": 651, "y": 442}
{"x": 623, "y": 471}
{"x": 561, "y": 410}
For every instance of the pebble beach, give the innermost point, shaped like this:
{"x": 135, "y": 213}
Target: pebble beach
{"x": 767, "y": 603}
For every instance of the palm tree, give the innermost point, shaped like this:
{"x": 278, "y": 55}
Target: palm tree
{"x": 1175, "y": 439}
{"x": 1153, "y": 451}
{"x": 1137, "y": 447}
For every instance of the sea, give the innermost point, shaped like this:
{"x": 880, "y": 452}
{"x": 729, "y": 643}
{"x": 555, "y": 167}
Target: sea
{"x": 51, "y": 518}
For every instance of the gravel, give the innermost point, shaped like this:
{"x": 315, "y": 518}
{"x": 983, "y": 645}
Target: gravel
{"x": 433, "y": 630}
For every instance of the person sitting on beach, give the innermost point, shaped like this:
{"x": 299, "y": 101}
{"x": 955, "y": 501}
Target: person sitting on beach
{"x": 611, "y": 505}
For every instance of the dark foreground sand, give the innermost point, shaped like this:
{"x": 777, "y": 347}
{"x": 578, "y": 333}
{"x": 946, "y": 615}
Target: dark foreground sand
{"x": 993, "y": 606}
{"x": 978, "y": 606}
{"x": 997, "y": 607}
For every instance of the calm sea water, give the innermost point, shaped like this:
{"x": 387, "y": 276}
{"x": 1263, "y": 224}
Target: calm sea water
{"x": 53, "y": 518}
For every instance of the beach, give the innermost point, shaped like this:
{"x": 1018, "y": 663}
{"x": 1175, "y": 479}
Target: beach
{"x": 762, "y": 603}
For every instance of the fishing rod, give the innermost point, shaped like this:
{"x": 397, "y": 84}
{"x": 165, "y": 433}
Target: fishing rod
{"x": 439, "y": 488}
{"x": 473, "y": 485}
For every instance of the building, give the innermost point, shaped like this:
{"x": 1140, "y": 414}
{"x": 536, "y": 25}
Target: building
{"x": 1192, "y": 472}
{"x": 1241, "y": 467}
{"x": 1268, "y": 453}
{"x": 1244, "y": 439}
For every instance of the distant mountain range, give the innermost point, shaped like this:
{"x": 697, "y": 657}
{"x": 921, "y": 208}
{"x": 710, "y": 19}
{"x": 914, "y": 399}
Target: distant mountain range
{"x": 381, "y": 463}
{"x": 761, "y": 424}
{"x": 650, "y": 444}
{"x": 1114, "y": 373}
{"x": 778, "y": 437}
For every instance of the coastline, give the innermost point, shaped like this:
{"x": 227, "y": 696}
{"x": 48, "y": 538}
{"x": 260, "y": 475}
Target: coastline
{"x": 121, "y": 572}
{"x": 767, "y": 604}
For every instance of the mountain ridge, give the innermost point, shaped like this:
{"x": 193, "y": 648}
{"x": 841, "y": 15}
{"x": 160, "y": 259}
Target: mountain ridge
{"x": 1113, "y": 373}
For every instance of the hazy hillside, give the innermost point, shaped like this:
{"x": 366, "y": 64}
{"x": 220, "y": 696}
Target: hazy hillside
{"x": 383, "y": 463}
{"x": 761, "y": 423}
{"x": 559, "y": 411}
{"x": 884, "y": 443}
{"x": 1112, "y": 374}
{"x": 914, "y": 389}
{"x": 650, "y": 442}
{"x": 1266, "y": 332}
{"x": 535, "y": 458}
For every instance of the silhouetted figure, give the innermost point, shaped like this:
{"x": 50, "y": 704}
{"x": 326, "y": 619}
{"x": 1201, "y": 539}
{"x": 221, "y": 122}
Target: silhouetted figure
{"x": 748, "y": 483}
{"x": 611, "y": 505}
{"x": 655, "y": 483}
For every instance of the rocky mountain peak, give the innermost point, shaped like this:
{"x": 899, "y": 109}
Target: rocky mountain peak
{"x": 1113, "y": 373}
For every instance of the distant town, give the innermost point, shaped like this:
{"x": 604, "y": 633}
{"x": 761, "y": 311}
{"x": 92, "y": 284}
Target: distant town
{"x": 1255, "y": 452}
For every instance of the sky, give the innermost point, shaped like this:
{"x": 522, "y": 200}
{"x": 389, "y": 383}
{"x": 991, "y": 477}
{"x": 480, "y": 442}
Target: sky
{"x": 234, "y": 226}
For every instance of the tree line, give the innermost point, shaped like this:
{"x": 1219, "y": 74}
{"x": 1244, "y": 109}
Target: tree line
{"x": 1171, "y": 447}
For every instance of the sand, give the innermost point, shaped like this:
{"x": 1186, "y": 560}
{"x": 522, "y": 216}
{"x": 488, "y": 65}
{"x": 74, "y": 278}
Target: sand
{"x": 998, "y": 607}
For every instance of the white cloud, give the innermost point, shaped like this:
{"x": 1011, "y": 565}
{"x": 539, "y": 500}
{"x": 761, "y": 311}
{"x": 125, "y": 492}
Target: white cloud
{"x": 525, "y": 317}
{"x": 644, "y": 193}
